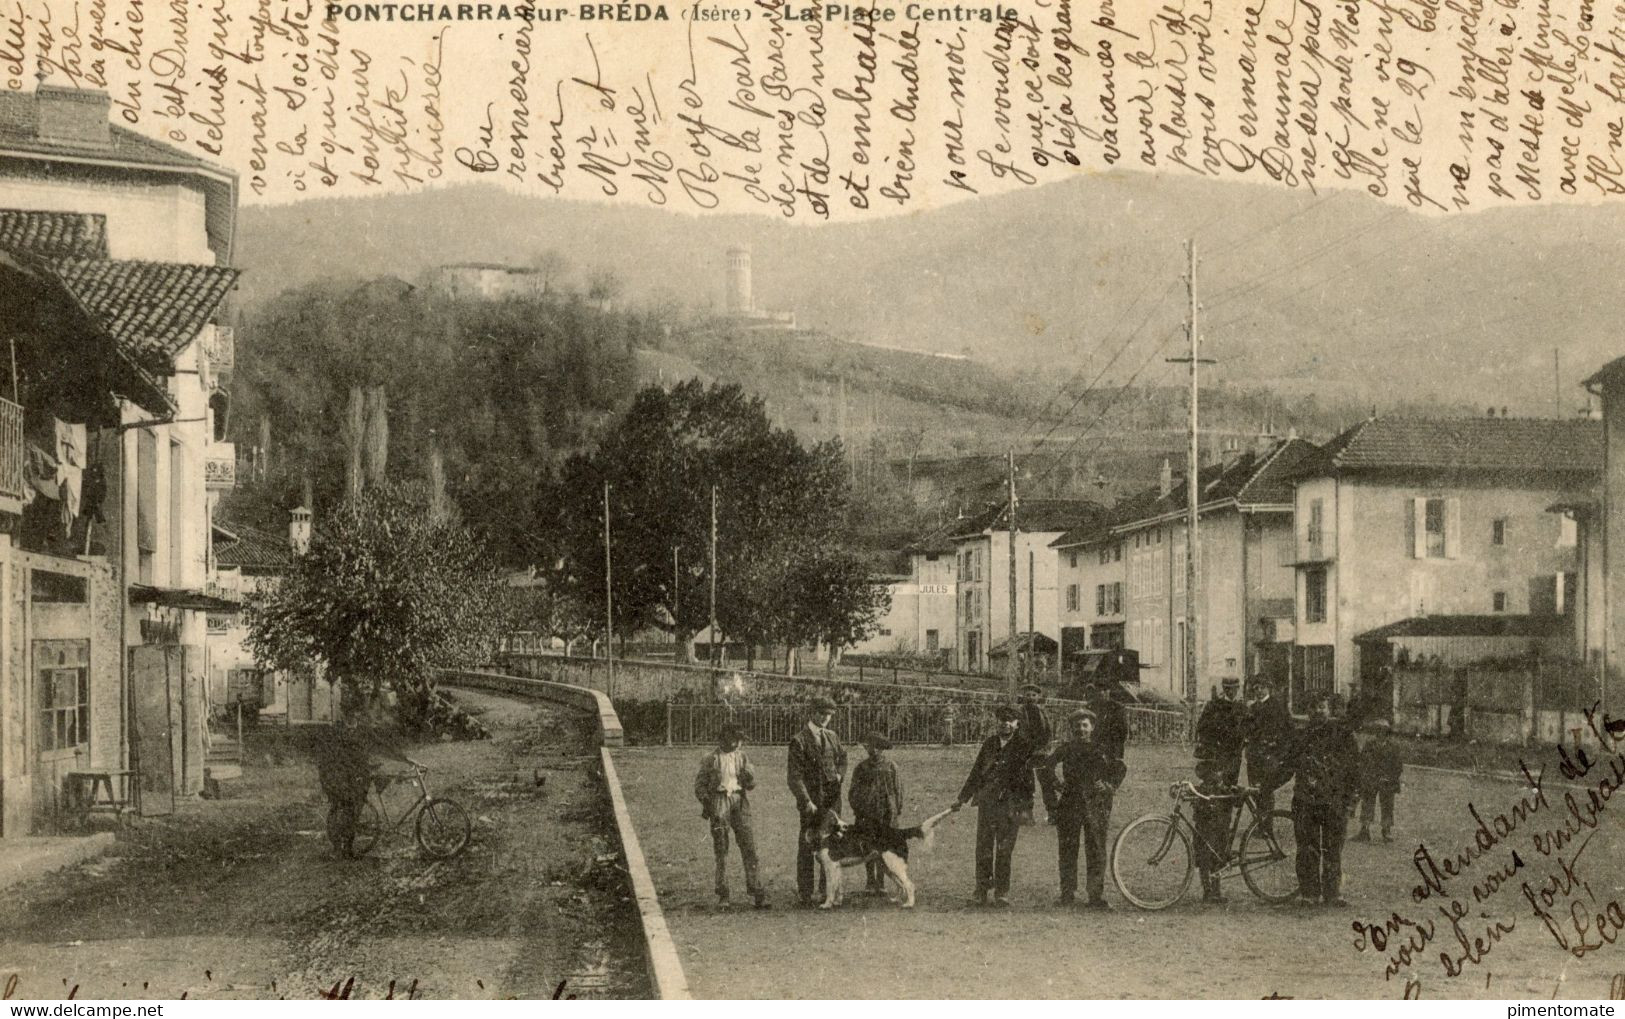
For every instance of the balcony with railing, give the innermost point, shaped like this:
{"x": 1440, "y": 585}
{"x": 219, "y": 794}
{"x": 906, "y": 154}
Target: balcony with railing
{"x": 1317, "y": 545}
{"x": 11, "y": 457}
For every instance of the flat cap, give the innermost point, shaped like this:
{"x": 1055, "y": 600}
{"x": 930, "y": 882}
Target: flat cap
{"x": 876, "y": 740}
{"x": 822, "y": 703}
{"x": 1081, "y": 713}
{"x": 1005, "y": 713}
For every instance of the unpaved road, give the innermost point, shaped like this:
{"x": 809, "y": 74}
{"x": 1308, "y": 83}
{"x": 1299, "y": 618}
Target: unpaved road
{"x": 241, "y": 898}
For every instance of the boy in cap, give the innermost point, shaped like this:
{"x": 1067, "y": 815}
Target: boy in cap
{"x": 815, "y": 771}
{"x": 1381, "y": 769}
{"x": 1090, "y": 776}
{"x": 1001, "y": 784}
{"x": 722, "y": 787}
{"x": 876, "y": 798}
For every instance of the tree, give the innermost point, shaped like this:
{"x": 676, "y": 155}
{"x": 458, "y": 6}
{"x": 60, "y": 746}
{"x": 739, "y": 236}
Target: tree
{"x": 776, "y": 500}
{"x": 830, "y": 598}
{"x": 385, "y": 597}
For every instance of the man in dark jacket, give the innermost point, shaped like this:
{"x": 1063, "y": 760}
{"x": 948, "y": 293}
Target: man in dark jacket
{"x": 816, "y": 769}
{"x": 1111, "y": 718}
{"x": 1381, "y": 769}
{"x": 876, "y": 797}
{"x": 1001, "y": 784}
{"x": 1269, "y": 732}
{"x": 1327, "y": 780}
{"x": 1036, "y": 729}
{"x": 1089, "y": 778}
{"x": 1220, "y": 734}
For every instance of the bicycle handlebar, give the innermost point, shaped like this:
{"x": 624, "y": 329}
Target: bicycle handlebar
{"x": 1187, "y": 790}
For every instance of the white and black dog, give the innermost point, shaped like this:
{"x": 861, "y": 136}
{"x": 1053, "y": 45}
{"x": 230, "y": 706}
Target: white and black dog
{"x": 840, "y": 845}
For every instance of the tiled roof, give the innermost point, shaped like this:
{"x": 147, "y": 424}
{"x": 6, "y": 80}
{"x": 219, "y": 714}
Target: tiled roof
{"x": 17, "y": 134}
{"x": 938, "y": 539}
{"x": 247, "y": 549}
{"x": 1463, "y": 444}
{"x": 153, "y": 309}
{"x": 54, "y": 234}
{"x": 1032, "y": 516}
{"x": 1255, "y": 478}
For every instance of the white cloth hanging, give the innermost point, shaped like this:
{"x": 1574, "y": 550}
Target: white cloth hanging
{"x": 70, "y": 468}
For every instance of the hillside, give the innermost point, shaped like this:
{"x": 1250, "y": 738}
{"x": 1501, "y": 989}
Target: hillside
{"x": 1341, "y": 297}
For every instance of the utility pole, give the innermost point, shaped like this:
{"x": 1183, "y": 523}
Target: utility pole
{"x": 676, "y": 598}
{"x": 712, "y": 652}
{"x": 1032, "y": 658}
{"x": 1557, "y": 384}
{"x": 1010, "y": 659}
{"x": 609, "y": 598}
{"x": 1192, "y": 481}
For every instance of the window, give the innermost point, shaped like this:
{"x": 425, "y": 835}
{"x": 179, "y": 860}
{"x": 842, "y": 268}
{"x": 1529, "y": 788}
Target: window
{"x": 1435, "y": 528}
{"x": 1105, "y": 556}
{"x": 969, "y": 616}
{"x": 932, "y": 639}
{"x": 1568, "y": 532}
{"x": 1499, "y": 601}
{"x": 930, "y": 557}
{"x": 1314, "y": 595}
{"x": 1072, "y": 597}
{"x": 885, "y": 631}
{"x": 1117, "y": 552}
{"x": 63, "y": 674}
{"x": 177, "y": 518}
{"x": 1072, "y": 560}
{"x": 45, "y": 586}
{"x": 1315, "y": 532}
{"x": 978, "y": 574}
{"x": 146, "y": 504}
{"x": 1498, "y": 531}
{"x": 1100, "y": 599}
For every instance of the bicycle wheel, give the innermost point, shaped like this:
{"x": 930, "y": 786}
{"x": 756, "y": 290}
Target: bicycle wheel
{"x": 1152, "y": 862}
{"x": 1269, "y": 857}
{"x": 369, "y": 828}
{"x": 443, "y": 829}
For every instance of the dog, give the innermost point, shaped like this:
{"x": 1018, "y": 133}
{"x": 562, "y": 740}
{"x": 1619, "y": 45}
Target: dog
{"x": 839, "y": 845}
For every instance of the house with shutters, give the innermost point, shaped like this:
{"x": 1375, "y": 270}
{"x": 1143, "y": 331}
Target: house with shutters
{"x": 982, "y": 554}
{"x": 1415, "y": 529}
{"x": 1123, "y": 579}
{"x": 115, "y": 258}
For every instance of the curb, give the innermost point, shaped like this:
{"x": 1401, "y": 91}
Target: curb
{"x": 665, "y": 969}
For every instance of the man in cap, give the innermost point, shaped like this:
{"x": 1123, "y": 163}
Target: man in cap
{"x": 722, "y": 786}
{"x": 876, "y": 797}
{"x": 1220, "y": 735}
{"x": 1001, "y": 784}
{"x": 1089, "y": 778}
{"x": 1104, "y": 698}
{"x": 1381, "y": 770}
{"x": 1326, "y": 781}
{"x": 1269, "y": 732}
{"x": 816, "y": 769}
{"x": 1036, "y": 730}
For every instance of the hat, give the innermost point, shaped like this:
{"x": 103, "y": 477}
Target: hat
{"x": 822, "y": 703}
{"x": 730, "y": 731}
{"x": 1005, "y": 713}
{"x": 1081, "y": 713}
{"x": 1381, "y": 724}
{"x": 1030, "y": 688}
{"x": 876, "y": 740}
{"x": 1230, "y": 682}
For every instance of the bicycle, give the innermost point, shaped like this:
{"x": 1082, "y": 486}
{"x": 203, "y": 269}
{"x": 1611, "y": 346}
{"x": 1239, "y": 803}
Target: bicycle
{"x": 1152, "y": 862}
{"x": 442, "y": 829}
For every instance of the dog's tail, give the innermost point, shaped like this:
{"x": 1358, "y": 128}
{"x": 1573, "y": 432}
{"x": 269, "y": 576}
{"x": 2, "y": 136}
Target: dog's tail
{"x": 925, "y": 831}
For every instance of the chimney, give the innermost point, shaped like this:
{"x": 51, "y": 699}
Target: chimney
{"x": 1165, "y": 484}
{"x": 299, "y": 530}
{"x": 73, "y": 115}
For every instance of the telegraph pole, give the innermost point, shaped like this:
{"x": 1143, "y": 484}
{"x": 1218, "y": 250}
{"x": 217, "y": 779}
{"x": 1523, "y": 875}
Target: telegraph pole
{"x": 676, "y": 595}
{"x": 1031, "y": 674}
{"x": 712, "y": 653}
{"x": 1192, "y": 483}
{"x": 609, "y": 598}
{"x": 1010, "y": 659}
{"x": 1557, "y": 384}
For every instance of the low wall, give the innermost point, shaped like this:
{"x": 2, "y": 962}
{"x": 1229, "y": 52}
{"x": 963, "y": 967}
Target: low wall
{"x": 664, "y": 967}
{"x": 581, "y": 697}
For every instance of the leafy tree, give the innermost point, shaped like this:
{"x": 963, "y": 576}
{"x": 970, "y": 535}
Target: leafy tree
{"x": 385, "y": 596}
{"x": 828, "y": 597}
{"x": 776, "y": 500}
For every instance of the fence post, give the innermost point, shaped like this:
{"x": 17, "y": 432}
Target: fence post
{"x": 860, "y": 672}
{"x": 894, "y": 675}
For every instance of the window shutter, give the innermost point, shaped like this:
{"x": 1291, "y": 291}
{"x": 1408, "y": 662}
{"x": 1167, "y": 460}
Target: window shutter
{"x": 1419, "y": 528}
{"x": 1452, "y": 528}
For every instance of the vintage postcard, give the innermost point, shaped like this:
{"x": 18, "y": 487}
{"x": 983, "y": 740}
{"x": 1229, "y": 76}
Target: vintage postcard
{"x": 968, "y": 499}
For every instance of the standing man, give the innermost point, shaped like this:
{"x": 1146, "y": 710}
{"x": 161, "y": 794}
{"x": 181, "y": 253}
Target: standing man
{"x": 1381, "y": 771}
{"x": 876, "y": 798}
{"x": 1036, "y": 730}
{"x": 1269, "y": 731}
{"x": 1327, "y": 780}
{"x": 1220, "y": 734}
{"x": 1089, "y": 778}
{"x": 1001, "y": 784}
{"x": 816, "y": 768}
{"x": 1111, "y": 718}
{"x": 721, "y": 786}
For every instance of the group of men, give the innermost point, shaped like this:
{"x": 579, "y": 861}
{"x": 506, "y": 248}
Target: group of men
{"x": 1329, "y": 771}
{"x": 1078, "y": 777}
